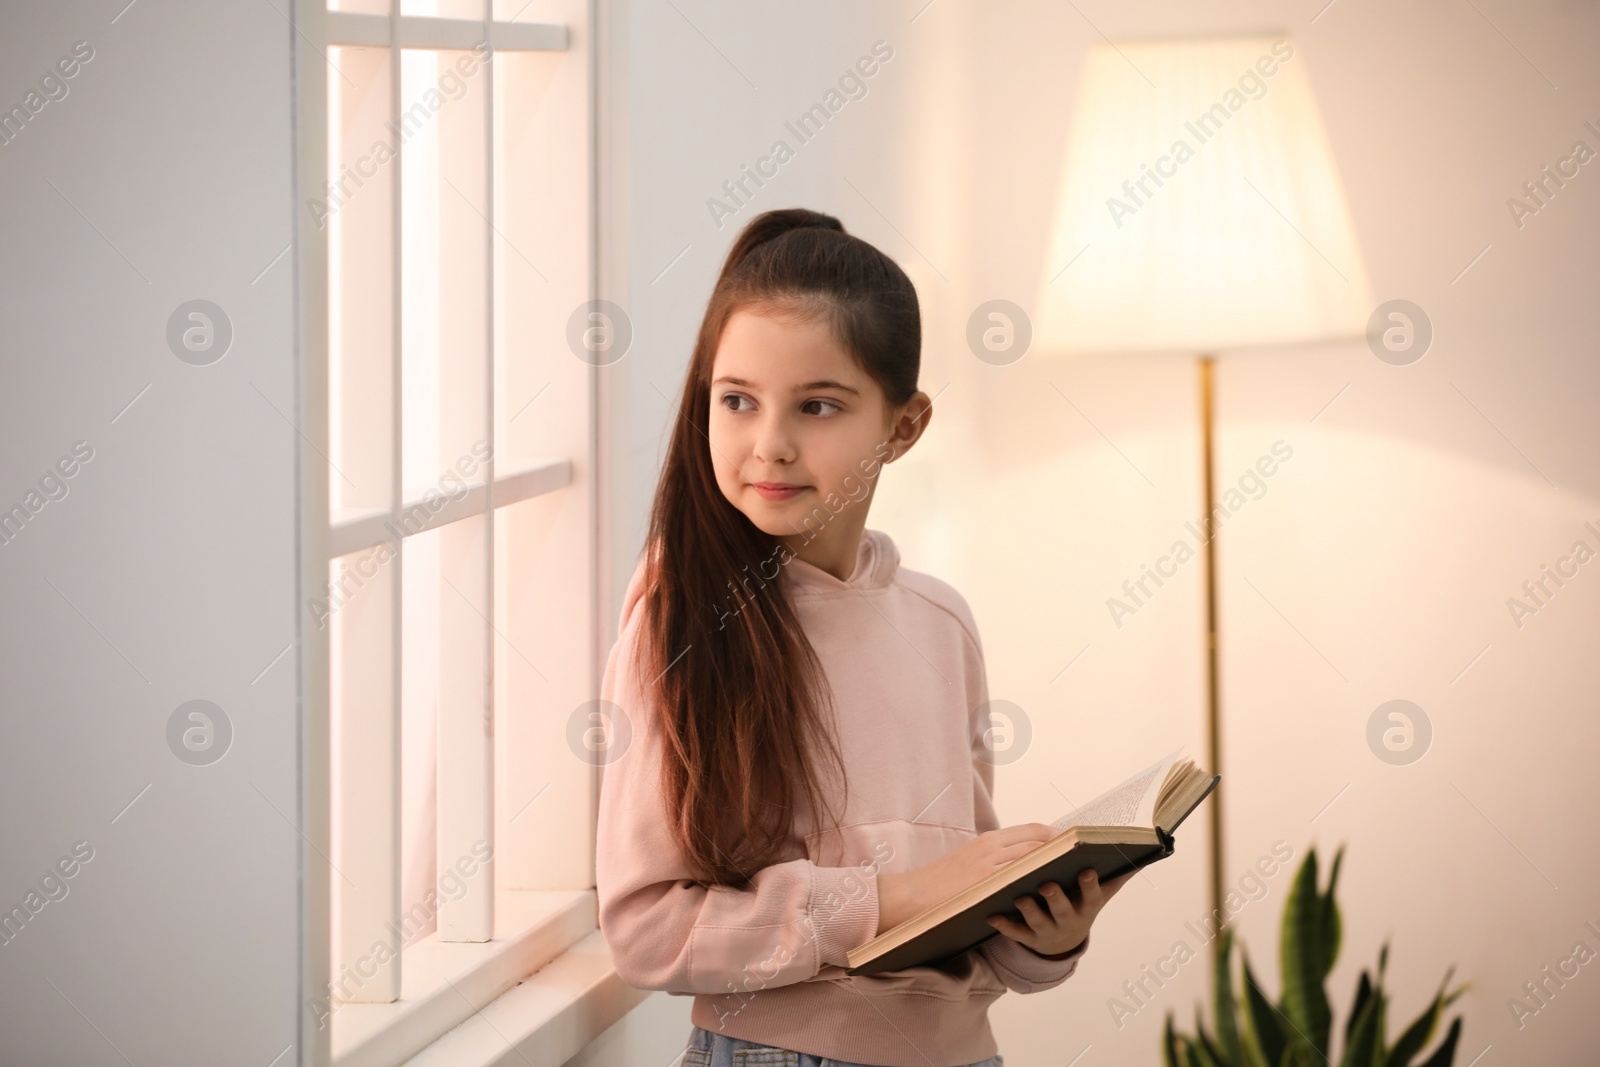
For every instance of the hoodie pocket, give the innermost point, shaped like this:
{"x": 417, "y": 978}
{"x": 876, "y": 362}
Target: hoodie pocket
{"x": 955, "y": 979}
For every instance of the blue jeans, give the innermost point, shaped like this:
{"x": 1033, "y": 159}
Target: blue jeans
{"x": 707, "y": 1049}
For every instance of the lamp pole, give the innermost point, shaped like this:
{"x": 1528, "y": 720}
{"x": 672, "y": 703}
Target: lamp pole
{"x": 1213, "y": 727}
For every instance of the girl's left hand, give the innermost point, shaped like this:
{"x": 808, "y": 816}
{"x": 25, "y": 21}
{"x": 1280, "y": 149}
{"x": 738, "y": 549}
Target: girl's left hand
{"x": 1065, "y": 925}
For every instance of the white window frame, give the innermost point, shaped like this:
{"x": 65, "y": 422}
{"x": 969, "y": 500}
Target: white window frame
{"x": 538, "y": 905}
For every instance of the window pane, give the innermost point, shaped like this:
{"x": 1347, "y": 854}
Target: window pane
{"x": 543, "y": 681}
{"x": 465, "y": 733}
{"x": 450, "y": 9}
{"x": 359, "y": 617}
{"x": 357, "y": 208}
{"x": 419, "y": 687}
{"x": 445, "y": 268}
{"x": 541, "y": 259}
{"x": 566, "y": 12}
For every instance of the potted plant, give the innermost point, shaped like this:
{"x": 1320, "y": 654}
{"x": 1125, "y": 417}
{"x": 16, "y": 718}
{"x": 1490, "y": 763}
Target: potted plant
{"x": 1249, "y": 1030}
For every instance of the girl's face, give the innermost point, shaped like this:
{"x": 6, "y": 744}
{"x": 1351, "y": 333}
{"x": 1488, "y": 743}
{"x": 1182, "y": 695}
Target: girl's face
{"x": 798, "y": 431}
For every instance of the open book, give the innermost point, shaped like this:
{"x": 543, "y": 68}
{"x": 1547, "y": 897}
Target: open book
{"x": 1127, "y": 827}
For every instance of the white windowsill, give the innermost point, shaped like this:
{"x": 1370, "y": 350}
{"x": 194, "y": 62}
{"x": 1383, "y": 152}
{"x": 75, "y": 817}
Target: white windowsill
{"x": 546, "y": 1019}
{"x": 572, "y": 998}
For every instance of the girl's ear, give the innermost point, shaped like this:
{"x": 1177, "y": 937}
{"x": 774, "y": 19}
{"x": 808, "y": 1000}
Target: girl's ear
{"x": 909, "y": 423}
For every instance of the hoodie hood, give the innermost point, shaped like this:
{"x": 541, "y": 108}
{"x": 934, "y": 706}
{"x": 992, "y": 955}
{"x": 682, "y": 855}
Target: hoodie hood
{"x": 877, "y": 561}
{"x": 632, "y": 595}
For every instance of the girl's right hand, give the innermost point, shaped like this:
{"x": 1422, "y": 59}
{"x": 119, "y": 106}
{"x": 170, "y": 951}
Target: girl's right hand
{"x": 900, "y": 896}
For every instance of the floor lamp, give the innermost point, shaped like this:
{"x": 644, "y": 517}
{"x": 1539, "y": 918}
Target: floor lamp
{"x": 1199, "y": 211}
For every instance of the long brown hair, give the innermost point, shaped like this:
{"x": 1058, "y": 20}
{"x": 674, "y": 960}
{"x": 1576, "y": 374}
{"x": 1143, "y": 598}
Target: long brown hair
{"x": 744, "y": 701}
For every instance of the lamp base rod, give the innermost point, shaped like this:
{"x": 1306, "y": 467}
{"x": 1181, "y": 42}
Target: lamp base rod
{"x": 1213, "y": 726}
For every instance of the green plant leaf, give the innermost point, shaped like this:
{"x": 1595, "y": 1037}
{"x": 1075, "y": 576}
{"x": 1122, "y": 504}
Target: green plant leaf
{"x": 1300, "y": 1054}
{"x": 1332, "y": 926}
{"x": 1416, "y": 1036}
{"x": 1445, "y": 1055}
{"x": 1364, "y": 1040}
{"x": 1450, "y": 997}
{"x": 1169, "y": 1045}
{"x": 1261, "y": 1019}
{"x": 1363, "y": 991}
{"x": 1380, "y": 1050}
{"x": 1227, "y": 1011}
{"x": 1253, "y": 1031}
{"x": 1252, "y": 1057}
{"x": 1302, "y": 942}
{"x": 1250, "y": 1054}
{"x": 1209, "y": 1056}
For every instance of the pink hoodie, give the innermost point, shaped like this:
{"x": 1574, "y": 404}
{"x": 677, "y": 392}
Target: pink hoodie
{"x": 767, "y": 963}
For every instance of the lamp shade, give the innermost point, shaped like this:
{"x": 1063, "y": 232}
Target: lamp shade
{"x": 1199, "y": 208}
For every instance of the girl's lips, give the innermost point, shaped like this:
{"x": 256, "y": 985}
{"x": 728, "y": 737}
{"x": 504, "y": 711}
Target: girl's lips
{"x": 772, "y": 491}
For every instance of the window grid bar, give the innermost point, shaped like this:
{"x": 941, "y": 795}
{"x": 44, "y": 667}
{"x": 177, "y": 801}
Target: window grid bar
{"x": 484, "y": 890}
{"x": 358, "y": 529}
{"x": 465, "y": 737}
{"x": 392, "y": 818}
{"x": 441, "y": 34}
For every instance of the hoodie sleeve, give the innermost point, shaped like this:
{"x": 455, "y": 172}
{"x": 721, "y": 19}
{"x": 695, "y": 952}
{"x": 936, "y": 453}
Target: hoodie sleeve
{"x": 1018, "y": 966}
{"x": 665, "y": 930}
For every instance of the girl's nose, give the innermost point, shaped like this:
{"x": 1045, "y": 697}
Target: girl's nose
{"x": 773, "y": 443}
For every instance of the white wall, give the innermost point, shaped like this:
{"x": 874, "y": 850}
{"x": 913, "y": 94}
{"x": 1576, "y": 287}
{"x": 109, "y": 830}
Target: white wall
{"x": 167, "y": 573}
{"x": 1376, "y": 566}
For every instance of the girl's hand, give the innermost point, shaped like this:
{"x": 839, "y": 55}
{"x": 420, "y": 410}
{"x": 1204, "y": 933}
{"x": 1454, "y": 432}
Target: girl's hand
{"x": 900, "y": 896}
{"x": 1061, "y": 926}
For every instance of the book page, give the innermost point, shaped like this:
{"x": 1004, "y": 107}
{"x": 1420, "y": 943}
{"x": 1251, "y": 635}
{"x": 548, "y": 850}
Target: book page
{"x": 1129, "y": 803}
{"x": 1191, "y": 786}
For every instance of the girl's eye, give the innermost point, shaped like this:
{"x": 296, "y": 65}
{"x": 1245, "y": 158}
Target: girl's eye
{"x": 731, "y": 401}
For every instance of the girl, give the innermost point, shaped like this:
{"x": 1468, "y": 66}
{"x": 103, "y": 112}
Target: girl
{"x": 806, "y": 763}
